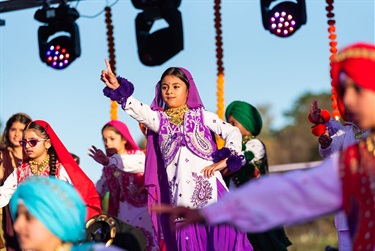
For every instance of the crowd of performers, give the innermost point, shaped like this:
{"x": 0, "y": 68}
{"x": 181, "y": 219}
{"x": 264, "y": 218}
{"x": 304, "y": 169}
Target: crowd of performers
{"x": 183, "y": 192}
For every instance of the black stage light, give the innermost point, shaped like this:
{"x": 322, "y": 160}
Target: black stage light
{"x": 61, "y": 50}
{"x": 110, "y": 230}
{"x": 158, "y": 47}
{"x": 285, "y": 18}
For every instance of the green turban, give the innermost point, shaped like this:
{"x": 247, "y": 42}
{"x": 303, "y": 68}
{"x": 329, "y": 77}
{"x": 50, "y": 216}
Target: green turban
{"x": 247, "y": 115}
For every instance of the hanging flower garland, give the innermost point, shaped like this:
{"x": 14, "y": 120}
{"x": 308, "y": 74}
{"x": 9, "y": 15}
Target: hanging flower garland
{"x": 333, "y": 49}
{"x": 220, "y": 68}
{"x": 111, "y": 51}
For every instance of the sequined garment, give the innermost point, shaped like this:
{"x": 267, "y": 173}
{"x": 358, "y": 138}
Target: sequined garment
{"x": 357, "y": 170}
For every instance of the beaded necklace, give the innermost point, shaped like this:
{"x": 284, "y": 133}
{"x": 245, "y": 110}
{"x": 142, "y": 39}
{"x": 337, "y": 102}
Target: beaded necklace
{"x": 64, "y": 247}
{"x": 177, "y": 114}
{"x": 39, "y": 166}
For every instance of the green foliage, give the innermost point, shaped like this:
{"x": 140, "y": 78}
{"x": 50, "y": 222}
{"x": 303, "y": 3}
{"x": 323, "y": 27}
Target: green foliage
{"x": 294, "y": 142}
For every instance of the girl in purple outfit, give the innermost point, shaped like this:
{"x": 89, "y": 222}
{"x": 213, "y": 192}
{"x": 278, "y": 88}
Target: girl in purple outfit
{"x": 182, "y": 161}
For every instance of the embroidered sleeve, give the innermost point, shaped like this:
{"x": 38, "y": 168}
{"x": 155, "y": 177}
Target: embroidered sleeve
{"x": 231, "y": 134}
{"x": 122, "y": 93}
{"x": 143, "y": 113}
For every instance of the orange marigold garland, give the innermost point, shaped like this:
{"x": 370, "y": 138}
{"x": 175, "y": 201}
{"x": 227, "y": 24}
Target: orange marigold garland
{"x": 333, "y": 49}
{"x": 220, "y": 68}
{"x": 111, "y": 51}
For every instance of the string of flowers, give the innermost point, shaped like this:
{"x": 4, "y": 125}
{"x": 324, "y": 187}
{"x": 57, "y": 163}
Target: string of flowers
{"x": 220, "y": 68}
{"x": 111, "y": 51}
{"x": 333, "y": 49}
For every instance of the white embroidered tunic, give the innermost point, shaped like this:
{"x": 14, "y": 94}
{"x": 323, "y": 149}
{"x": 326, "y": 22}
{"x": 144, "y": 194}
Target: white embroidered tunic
{"x": 187, "y": 185}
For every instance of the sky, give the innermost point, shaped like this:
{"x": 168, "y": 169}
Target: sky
{"x": 259, "y": 67}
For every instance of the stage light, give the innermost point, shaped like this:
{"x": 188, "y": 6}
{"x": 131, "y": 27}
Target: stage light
{"x": 285, "y": 18}
{"x": 59, "y": 42}
{"x": 110, "y": 230}
{"x": 158, "y": 47}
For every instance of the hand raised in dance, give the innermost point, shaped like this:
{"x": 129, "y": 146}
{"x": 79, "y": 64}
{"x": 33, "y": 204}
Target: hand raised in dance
{"x": 109, "y": 78}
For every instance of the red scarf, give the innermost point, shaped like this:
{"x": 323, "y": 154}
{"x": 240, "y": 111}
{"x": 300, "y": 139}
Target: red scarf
{"x": 80, "y": 180}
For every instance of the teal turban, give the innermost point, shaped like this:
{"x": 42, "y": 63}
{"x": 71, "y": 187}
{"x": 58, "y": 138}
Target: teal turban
{"x": 55, "y": 203}
{"x": 247, "y": 115}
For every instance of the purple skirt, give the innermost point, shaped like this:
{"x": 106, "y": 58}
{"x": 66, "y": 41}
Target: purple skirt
{"x": 199, "y": 237}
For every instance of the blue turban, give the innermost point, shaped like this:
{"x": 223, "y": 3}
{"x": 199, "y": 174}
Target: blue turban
{"x": 55, "y": 203}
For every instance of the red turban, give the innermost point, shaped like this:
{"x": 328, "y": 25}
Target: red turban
{"x": 357, "y": 61}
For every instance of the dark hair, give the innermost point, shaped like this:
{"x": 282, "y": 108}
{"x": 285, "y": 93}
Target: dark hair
{"x": 41, "y": 131}
{"x": 18, "y": 117}
{"x": 177, "y": 72}
{"x": 76, "y": 158}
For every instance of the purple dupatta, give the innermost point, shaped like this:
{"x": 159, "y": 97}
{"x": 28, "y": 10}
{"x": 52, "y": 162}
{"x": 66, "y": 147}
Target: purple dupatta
{"x": 156, "y": 181}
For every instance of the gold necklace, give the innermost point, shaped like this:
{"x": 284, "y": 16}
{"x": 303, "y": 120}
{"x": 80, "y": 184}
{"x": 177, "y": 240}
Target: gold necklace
{"x": 64, "y": 247}
{"x": 370, "y": 144}
{"x": 39, "y": 166}
{"x": 358, "y": 132}
{"x": 177, "y": 114}
{"x": 247, "y": 138}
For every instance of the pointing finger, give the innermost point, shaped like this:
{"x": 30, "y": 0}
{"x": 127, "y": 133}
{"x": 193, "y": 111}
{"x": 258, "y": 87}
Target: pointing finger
{"x": 108, "y": 66}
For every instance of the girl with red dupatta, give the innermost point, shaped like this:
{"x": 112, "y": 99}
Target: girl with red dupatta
{"x": 45, "y": 155}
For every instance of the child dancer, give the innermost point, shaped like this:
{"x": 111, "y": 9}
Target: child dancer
{"x": 344, "y": 181}
{"x": 49, "y": 214}
{"x": 11, "y": 152}
{"x": 122, "y": 177}
{"x": 249, "y": 121}
{"x": 338, "y": 137}
{"x": 47, "y": 156}
{"x": 182, "y": 164}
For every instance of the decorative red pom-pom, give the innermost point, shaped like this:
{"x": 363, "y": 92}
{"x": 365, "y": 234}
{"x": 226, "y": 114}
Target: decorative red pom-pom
{"x": 318, "y": 130}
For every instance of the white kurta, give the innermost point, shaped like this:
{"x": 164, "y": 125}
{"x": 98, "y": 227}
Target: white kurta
{"x": 11, "y": 183}
{"x": 188, "y": 187}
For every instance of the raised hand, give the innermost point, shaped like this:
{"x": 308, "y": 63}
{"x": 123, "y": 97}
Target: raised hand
{"x": 325, "y": 140}
{"x": 109, "y": 78}
{"x": 315, "y": 112}
{"x": 98, "y": 155}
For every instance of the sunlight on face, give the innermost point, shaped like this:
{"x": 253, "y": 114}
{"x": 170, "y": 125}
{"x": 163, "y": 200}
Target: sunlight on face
{"x": 32, "y": 234}
{"x": 113, "y": 142}
{"x": 39, "y": 151}
{"x": 359, "y": 101}
{"x": 15, "y": 133}
{"x": 174, "y": 91}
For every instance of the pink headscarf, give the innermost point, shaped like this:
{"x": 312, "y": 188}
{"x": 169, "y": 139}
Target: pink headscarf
{"x": 123, "y": 129}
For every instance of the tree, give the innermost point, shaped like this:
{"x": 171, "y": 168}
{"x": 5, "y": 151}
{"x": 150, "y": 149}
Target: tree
{"x": 295, "y": 143}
